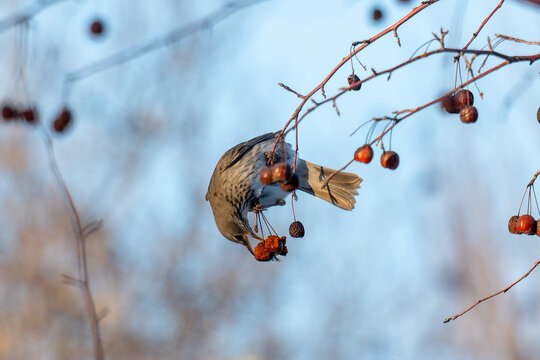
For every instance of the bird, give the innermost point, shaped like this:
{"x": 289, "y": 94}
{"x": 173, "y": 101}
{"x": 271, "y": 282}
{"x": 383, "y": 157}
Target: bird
{"x": 235, "y": 187}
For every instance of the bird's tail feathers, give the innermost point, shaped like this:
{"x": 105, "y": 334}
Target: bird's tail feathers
{"x": 339, "y": 191}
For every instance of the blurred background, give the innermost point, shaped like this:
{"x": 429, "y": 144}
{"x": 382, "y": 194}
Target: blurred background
{"x": 424, "y": 242}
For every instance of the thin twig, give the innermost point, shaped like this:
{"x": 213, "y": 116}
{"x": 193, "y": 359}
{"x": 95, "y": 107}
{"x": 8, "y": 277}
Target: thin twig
{"x": 492, "y": 295}
{"x": 505, "y": 37}
{"x": 475, "y": 34}
{"x": 159, "y": 42}
{"x": 26, "y": 14}
{"x": 363, "y": 44}
{"x": 83, "y": 281}
{"x": 531, "y": 183}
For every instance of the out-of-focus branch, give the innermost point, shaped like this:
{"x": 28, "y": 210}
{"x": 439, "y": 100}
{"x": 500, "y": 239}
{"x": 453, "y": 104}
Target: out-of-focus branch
{"x": 492, "y": 295}
{"x": 26, "y": 14}
{"x": 81, "y": 235}
{"x": 154, "y": 44}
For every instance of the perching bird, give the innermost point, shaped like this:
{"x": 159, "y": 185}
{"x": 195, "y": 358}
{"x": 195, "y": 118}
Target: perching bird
{"x": 235, "y": 187}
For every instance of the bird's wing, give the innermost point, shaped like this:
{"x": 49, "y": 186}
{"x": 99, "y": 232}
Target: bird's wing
{"x": 233, "y": 155}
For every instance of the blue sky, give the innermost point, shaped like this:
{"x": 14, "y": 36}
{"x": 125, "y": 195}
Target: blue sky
{"x": 383, "y": 268}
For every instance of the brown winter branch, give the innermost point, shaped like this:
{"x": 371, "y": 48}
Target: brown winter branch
{"x": 508, "y": 58}
{"x": 475, "y": 34}
{"x": 26, "y": 14}
{"x": 159, "y": 42}
{"x": 505, "y": 37}
{"x": 492, "y": 295}
{"x": 81, "y": 235}
{"x": 363, "y": 44}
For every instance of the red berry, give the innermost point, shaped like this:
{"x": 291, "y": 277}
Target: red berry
{"x": 97, "y": 27}
{"x": 8, "y": 112}
{"x": 274, "y": 244}
{"x": 538, "y": 227}
{"x": 377, "y": 14}
{"x": 292, "y": 184}
{"x": 448, "y": 103}
{"x": 538, "y": 114}
{"x": 512, "y": 223}
{"x": 364, "y": 154}
{"x": 526, "y": 225}
{"x": 62, "y": 120}
{"x": 390, "y": 160}
{"x": 464, "y": 98}
{"x": 296, "y": 229}
{"x": 353, "y": 78}
{"x": 468, "y": 114}
{"x": 266, "y": 176}
{"x": 30, "y": 115}
{"x": 282, "y": 172}
{"x": 261, "y": 253}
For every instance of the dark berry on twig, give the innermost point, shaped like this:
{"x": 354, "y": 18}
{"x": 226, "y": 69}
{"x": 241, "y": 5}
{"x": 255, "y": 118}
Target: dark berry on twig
{"x": 448, "y": 103}
{"x": 353, "y": 78}
{"x": 468, "y": 114}
{"x": 281, "y": 172}
{"x": 30, "y": 115}
{"x": 377, "y": 14}
{"x": 62, "y": 120}
{"x": 292, "y": 184}
{"x": 296, "y": 229}
{"x": 8, "y": 112}
{"x": 390, "y": 160}
{"x": 464, "y": 98}
{"x": 512, "y": 224}
{"x": 97, "y": 27}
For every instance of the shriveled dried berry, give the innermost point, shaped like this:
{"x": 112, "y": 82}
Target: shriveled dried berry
{"x": 266, "y": 176}
{"x": 538, "y": 114}
{"x": 284, "y": 251}
{"x": 526, "y": 225}
{"x": 274, "y": 244}
{"x": 364, "y": 154}
{"x": 296, "y": 229}
{"x": 512, "y": 224}
{"x": 282, "y": 172}
{"x": 261, "y": 253}
{"x": 353, "y": 78}
{"x": 463, "y": 98}
{"x": 448, "y": 103}
{"x": 292, "y": 184}
{"x": 390, "y": 160}
{"x": 468, "y": 114}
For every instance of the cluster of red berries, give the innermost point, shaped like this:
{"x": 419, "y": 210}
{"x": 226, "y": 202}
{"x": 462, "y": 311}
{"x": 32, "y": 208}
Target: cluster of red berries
{"x": 462, "y": 103}
{"x": 524, "y": 224}
{"x": 280, "y": 173}
{"x": 11, "y": 112}
{"x": 389, "y": 159}
{"x": 269, "y": 248}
